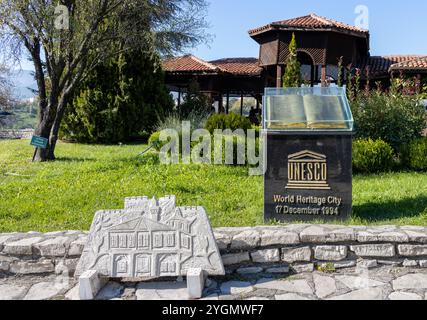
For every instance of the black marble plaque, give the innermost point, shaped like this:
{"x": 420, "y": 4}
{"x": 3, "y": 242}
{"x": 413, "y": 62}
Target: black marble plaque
{"x": 308, "y": 177}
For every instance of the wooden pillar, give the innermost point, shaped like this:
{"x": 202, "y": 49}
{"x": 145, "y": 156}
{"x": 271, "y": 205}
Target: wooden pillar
{"x": 312, "y": 75}
{"x": 179, "y": 97}
{"x": 220, "y": 103}
{"x": 241, "y": 104}
{"x": 323, "y": 75}
{"x": 227, "y": 110}
{"x": 279, "y": 78}
{"x": 257, "y": 104}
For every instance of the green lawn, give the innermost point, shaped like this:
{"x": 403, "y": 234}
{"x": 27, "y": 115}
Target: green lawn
{"x": 66, "y": 193}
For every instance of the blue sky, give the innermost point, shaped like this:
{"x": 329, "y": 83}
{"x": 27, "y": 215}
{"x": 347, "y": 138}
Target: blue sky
{"x": 396, "y": 27}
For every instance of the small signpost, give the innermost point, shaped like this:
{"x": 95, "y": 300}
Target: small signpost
{"x": 38, "y": 142}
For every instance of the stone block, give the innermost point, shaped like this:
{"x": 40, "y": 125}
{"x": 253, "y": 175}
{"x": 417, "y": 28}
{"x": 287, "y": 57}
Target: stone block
{"x": 391, "y": 236}
{"x": 249, "y": 270}
{"x": 324, "y": 234}
{"x": 410, "y": 263}
{"x": 303, "y": 268}
{"x": 278, "y": 270}
{"x": 23, "y": 247}
{"x": 266, "y": 256}
{"x": 235, "y": 258}
{"x": 248, "y": 239}
{"x": 32, "y": 267}
{"x": 195, "y": 283}
{"x": 90, "y": 284}
{"x": 54, "y": 247}
{"x": 278, "y": 237}
{"x": 291, "y": 255}
{"x": 374, "y": 250}
{"x": 412, "y": 250}
{"x": 77, "y": 246}
{"x": 330, "y": 253}
{"x": 5, "y": 263}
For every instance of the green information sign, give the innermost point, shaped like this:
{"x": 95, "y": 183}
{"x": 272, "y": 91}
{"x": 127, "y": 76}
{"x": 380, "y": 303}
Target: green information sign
{"x": 39, "y": 142}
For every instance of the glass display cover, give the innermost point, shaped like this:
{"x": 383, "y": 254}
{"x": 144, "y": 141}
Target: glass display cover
{"x": 307, "y": 109}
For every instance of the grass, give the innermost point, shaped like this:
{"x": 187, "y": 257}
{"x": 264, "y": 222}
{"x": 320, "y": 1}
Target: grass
{"x": 66, "y": 193}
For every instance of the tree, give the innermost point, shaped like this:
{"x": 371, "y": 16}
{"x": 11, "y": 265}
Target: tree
{"x": 5, "y": 94}
{"x": 67, "y": 39}
{"x": 292, "y": 77}
{"x": 120, "y": 99}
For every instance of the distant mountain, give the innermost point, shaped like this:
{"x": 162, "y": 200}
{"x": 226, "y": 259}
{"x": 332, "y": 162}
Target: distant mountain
{"x": 23, "y": 81}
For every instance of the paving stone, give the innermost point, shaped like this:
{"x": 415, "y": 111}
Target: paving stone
{"x": 363, "y": 294}
{"x": 410, "y": 263}
{"x": 257, "y": 299}
{"x": 162, "y": 291}
{"x": 330, "y": 253}
{"x": 250, "y": 270}
{"x": 235, "y": 258}
{"x": 415, "y": 281}
{"x": 325, "y": 286}
{"x": 292, "y": 286}
{"x": 412, "y": 250}
{"x": 32, "y": 267}
{"x": 290, "y": 297}
{"x": 12, "y": 292}
{"x": 266, "y": 256}
{"x": 45, "y": 290}
{"x": 248, "y": 239}
{"x": 73, "y": 294}
{"x": 278, "y": 237}
{"x": 374, "y": 250}
{"x": 303, "y": 268}
{"x": 278, "y": 270}
{"x": 211, "y": 297}
{"x": 23, "y": 247}
{"x": 367, "y": 264}
{"x": 236, "y": 288}
{"x": 359, "y": 282}
{"x": 291, "y": 255}
{"x": 110, "y": 291}
{"x": 401, "y": 296}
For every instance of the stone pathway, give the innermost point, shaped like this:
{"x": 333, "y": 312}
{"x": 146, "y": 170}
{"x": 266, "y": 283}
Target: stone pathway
{"x": 383, "y": 283}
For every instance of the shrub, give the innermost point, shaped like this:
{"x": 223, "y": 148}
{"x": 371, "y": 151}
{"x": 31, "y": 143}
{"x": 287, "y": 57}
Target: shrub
{"x": 390, "y": 116}
{"x": 414, "y": 155}
{"x": 370, "y": 156}
{"x": 230, "y": 121}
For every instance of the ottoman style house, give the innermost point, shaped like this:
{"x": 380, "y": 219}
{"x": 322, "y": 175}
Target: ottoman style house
{"x": 321, "y": 42}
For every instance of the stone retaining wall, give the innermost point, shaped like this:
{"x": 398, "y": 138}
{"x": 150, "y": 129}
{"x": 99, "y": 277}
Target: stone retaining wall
{"x": 16, "y": 134}
{"x": 300, "y": 248}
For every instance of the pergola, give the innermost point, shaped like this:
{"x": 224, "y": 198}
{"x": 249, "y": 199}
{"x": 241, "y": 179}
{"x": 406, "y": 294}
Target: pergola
{"x": 217, "y": 79}
{"x": 321, "y": 43}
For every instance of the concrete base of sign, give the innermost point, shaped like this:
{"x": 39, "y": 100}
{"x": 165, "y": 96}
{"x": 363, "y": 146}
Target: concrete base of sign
{"x": 90, "y": 284}
{"x": 195, "y": 283}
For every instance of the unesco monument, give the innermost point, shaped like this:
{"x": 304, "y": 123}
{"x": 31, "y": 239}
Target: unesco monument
{"x": 309, "y": 154}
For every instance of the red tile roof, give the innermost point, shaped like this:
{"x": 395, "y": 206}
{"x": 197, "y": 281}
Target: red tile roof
{"x": 382, "y": 65}
{"x": 415, "y": 64}
{"x": 192, "y": 64}
{"x": 239, "y": 66}
{"x": 311, "y": 21}
{"x": 188, "y": 63}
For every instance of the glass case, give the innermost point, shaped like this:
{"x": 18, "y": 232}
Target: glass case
{"x": 307, "y": 110}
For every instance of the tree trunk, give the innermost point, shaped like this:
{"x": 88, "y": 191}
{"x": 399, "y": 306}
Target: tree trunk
{"x": 43, "y": 130}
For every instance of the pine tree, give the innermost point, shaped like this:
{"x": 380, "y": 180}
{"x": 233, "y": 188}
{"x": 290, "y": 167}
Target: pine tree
{"x": 118, "y": 101}
{"x": 292, "y": 77}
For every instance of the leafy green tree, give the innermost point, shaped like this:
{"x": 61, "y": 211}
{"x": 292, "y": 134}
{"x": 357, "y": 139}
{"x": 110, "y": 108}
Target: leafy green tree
{"x": 66, "y": 39}
{"x": 292, "y": 77}
{"x": 118, "y": 101}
